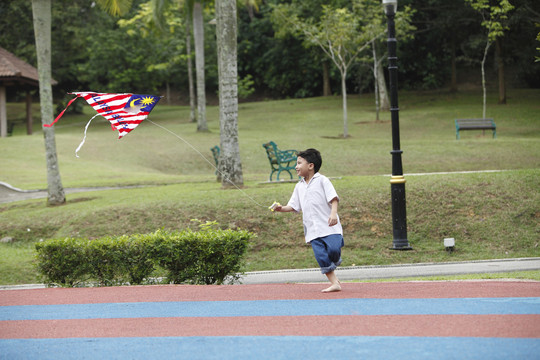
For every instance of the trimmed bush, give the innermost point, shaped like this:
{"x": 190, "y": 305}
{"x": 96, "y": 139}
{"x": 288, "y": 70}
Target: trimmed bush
{"x": 205, "y": 257}
{"x": 63, "y": 261}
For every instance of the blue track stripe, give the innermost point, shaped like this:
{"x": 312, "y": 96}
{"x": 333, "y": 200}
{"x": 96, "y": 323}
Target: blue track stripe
{"x": 272, "y": 347}
{"x": 454, "y": 306}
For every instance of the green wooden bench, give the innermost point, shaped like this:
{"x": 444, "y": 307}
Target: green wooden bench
{"x": 475, "y": 124}
{"x": 280, "y": 160}
{"x": 215, "y": 152}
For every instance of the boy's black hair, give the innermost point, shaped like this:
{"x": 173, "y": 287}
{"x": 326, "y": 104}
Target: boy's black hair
{"x": 312, "y": 156}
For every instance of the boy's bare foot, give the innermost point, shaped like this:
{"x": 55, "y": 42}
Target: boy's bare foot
{"x": 333, "y": 288}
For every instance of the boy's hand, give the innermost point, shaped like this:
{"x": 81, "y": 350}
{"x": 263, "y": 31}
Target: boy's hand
{"x": 275, "y": 206}
{"x": 332, "y": 220}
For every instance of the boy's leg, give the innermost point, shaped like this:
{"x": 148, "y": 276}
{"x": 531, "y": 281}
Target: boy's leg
{"x": 334, "y": 243}
{"x": 325, "y": 253}
{"x": 336, "y": 285}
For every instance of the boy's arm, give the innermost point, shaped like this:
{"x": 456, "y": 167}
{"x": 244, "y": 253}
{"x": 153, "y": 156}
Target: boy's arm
{"x": 286, "y": 208}
{"x": 333, "y": 220}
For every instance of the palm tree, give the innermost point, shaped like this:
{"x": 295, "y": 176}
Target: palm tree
{"x": 198, "y": 34}
{"x": 194, "y": 15}
{"x": 41, "y": 10}
{"x": 230, "y": 165}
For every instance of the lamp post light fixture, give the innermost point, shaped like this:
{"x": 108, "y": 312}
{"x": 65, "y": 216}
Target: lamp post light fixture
{"x": 397, "y": 182}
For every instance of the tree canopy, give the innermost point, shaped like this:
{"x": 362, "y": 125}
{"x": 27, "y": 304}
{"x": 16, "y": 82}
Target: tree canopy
{"x": 94, "y": 50}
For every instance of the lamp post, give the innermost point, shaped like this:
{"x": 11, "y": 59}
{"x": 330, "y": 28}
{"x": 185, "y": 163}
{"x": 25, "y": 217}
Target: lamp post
{"x": 397, "y": 182}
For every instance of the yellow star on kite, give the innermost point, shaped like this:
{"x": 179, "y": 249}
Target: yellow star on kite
{"x": 147, "y": 100}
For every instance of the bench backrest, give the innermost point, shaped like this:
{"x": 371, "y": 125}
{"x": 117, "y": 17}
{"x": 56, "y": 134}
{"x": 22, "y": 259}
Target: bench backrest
{"x": 271, "y": 152}
{"x": 474, "y": 122}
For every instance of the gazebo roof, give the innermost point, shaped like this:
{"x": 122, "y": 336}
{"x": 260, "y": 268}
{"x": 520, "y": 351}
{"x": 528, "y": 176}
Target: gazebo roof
{"x": 14, "y": 70}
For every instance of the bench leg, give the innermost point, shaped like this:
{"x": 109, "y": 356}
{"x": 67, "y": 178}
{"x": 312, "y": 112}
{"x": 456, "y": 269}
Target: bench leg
{"x": 457, "y": 134}
{"x": 290, "y": 174}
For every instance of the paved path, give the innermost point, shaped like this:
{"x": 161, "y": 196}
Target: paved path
{"x": 10, "y": 193}
{"x": 413, "y": 320}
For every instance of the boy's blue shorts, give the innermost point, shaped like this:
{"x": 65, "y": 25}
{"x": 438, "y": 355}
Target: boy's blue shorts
{"x": 327, "y": 251}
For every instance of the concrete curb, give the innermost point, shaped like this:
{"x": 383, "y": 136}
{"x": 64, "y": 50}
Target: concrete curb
{"x": 394, "y": 271}
{"x": 349, "y": 273}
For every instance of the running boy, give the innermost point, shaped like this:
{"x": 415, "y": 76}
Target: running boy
{"x": 316, "y": 197}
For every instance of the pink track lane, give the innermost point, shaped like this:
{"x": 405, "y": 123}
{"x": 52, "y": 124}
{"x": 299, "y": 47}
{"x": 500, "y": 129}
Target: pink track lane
{"x": 507, "y": 326}
{"x": 395, "y": 290}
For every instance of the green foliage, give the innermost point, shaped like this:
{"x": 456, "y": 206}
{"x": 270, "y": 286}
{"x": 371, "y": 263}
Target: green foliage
{"x": 245, "y": 86}
{"x": 205, "y": 257}
{"x": 494, "y": 16}
{"x": 115, "y": 7}
{"x": 63, "y": 261}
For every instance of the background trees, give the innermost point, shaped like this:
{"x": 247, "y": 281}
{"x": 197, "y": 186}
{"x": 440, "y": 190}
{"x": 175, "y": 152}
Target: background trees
{"x": 91, "y": 50}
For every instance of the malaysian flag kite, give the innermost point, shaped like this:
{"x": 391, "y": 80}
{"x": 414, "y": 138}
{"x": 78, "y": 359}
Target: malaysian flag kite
{"x": 124, "y": 111}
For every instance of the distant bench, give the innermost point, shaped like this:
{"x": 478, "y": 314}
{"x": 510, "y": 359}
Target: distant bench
{"x": 475, "y": 124}
{"x": 215, "y": 152}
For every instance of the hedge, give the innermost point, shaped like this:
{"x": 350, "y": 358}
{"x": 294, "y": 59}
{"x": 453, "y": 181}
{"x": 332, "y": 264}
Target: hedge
{"x": 204, "y": 257}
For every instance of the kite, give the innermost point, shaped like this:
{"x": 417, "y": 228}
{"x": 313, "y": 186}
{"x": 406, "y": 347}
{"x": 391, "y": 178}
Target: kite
{"x": 124, "y": 111}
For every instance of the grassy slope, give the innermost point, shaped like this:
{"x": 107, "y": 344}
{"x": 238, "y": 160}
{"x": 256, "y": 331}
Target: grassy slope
{"x": 491, "y": 215}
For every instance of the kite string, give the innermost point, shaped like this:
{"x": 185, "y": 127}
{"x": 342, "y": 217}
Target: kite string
{"x": 208, "y": 161}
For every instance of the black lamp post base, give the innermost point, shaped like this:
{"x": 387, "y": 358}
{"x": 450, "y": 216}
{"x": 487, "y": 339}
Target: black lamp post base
{"x": 402, "y": 248}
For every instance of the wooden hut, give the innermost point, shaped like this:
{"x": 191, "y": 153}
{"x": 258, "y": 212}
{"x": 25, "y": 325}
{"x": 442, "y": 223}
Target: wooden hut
{"x": 16, "y": 74}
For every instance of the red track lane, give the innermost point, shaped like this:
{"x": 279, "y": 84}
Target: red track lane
{"x": 507, "y": 326}
{"x": 399, "y": 290}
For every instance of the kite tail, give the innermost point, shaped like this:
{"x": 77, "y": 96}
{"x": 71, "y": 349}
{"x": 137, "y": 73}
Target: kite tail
{"x": 62, "y": 113}
{"x": 84, "y": 139}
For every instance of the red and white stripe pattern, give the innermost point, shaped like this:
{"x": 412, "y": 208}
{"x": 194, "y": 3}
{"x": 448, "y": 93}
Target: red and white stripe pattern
{"x": 115, "y": 108}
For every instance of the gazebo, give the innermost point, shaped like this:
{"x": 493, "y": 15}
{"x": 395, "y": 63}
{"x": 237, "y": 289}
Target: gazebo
{"x": 18, "y": 74}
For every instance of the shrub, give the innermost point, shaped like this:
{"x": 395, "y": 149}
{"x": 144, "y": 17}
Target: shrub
{"x": 63, "y": 261}
{"x": 204, "y": 257}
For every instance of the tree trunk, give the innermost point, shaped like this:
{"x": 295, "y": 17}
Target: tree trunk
{"x": 376, "y": 77}
{"x": 192, "y": 116}
{"x": 453, "y": 80}
{"x": 198, "y": 33}
{"x": 488, "y": 44}
{"x": 226, "y": 32}
{"x": 344, "y": 94}
{"x": 500, "y": 70}
{"x": 327, "y": 90}
{"x": 41, "y": 10}
{"x": 383, "y": 90}
{"x": 29, "y": 119}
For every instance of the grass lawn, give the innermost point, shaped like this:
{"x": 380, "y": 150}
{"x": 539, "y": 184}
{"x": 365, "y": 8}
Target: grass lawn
{"x": 490, "y": 214}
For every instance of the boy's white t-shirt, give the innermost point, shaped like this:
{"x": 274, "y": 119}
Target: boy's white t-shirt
{"x": 313, "y": 200}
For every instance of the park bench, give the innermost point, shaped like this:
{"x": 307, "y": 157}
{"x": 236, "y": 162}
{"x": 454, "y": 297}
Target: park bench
{"x": 280, "y": 160}
{"x": 11, "y": 125}
{"x": 215, "y": 152}
{"x": 475, "y": 124}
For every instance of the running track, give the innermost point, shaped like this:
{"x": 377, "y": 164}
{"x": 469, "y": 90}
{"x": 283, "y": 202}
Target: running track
{"x": 407, "y": 320}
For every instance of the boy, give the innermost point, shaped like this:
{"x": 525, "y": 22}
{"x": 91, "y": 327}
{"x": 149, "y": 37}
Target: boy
{"x": 316, "y": 197}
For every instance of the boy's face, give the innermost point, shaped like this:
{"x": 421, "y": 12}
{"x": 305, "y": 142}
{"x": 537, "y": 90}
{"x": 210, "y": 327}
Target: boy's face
{"x": 303, "y": 168}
